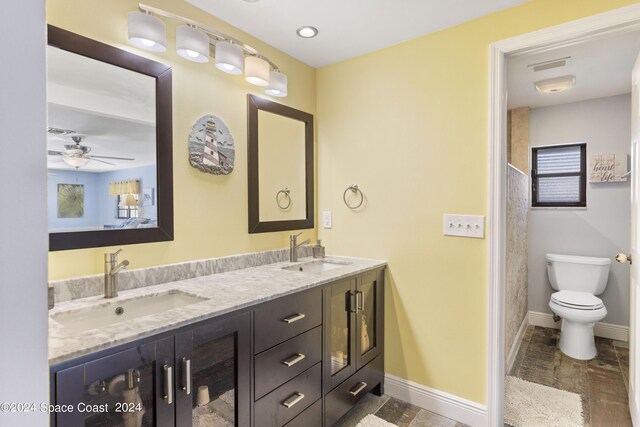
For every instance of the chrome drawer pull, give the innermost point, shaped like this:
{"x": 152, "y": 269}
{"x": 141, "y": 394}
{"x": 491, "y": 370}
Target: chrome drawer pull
{"x": 297, "y": 397}
{"x": 294, "y": 359}
{"x": 168, "y": 384}
{"x": 355, "y": 391}
{"x": 294, "y": 318}
{"x": 186, "y": 375}
{"x": 359, "y": 298}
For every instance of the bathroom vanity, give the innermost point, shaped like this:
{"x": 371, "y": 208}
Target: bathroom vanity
{"x": 295, "y": 344}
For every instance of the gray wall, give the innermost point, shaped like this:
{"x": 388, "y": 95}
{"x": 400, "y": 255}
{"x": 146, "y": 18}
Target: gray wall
{"x": 23, "y": 217}
{"x": 516, "y": 237}
{"x": 602, "y": 229}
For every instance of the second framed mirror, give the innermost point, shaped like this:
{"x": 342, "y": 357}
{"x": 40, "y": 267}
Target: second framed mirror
{"x": 281, "y": 167}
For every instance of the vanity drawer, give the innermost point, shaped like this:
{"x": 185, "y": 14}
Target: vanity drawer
{"x": 287, "y": 317}
{"x": 311, "y": 417}
{"x": 299, "y": 353}
{"x": 286, "y": 402}
{"x": 339, "y": 401}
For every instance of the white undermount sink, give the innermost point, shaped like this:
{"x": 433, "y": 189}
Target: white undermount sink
{"x": 317, "y": 266}
{"x": 119, "y": 311}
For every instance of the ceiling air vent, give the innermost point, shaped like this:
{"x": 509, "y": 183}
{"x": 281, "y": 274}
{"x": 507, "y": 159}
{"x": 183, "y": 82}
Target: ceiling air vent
{"x": 547, "y": 65}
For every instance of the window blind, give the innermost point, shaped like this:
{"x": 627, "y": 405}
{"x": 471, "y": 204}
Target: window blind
{"x": 558, "y": 176}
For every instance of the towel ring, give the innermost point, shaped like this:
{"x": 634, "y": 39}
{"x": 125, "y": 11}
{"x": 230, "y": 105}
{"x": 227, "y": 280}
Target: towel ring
{"x": 354, "y": 189}
{"x": 286, "y": 192}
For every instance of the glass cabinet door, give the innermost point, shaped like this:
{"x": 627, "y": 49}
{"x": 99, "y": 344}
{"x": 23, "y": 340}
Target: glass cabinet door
{"x": 340, "y": 316}
{"x": 130, "y": 389}
{"x": 369, "y": 317}
{"x": 213, "y": 375}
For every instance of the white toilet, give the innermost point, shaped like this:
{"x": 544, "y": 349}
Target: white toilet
{"x": 578, "y": 279}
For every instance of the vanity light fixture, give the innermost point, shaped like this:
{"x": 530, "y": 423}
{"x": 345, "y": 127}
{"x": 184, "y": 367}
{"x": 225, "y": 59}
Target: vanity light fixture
{"x": 194, "y": 41}
{"x": 147, "y": 32}
{"x": 192, "y": 44}
{"x": 307, "y": 32}
{"x": 277, "y": 85}
{"x": 229, "y": 57}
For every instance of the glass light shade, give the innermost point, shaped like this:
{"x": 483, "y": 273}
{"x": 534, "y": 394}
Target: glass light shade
{"x": 277, "y": 84}
{"x": 74, "y": 161}
{"x": 229, "y": 58}
{"x": 192, "y": 44}
{"x": 147, "y": 32}
{"x": 256, "y": 71}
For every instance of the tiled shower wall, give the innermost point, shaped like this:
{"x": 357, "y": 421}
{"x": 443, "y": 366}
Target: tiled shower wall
{"x": 516, "y": 293}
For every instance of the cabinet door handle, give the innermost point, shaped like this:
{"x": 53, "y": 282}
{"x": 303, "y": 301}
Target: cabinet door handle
{"x": 353, "y": 307}
{"x": 186, "y": 375}
{"x": 357, "y": 389}
{"x": 168, "y": 384}
{"x": 294, "y": 318}
{"x": 294, "y": 359}
{"x": 359, "y": 300}
{"x": 295, "y": 398}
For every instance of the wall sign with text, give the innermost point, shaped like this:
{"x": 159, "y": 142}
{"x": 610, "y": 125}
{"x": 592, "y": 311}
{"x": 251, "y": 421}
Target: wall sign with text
{"x": 608, "y": 167}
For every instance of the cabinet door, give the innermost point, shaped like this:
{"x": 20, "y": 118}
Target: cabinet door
{"x": 339, "y": 305}
{"x": 213, "y": 365}
{"x": 369, "y": 308}
{"x": 130, "y": 388}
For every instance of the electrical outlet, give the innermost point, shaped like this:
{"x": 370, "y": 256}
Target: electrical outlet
{"x": 326, "y": 219}
{"x": 464, "y": 226}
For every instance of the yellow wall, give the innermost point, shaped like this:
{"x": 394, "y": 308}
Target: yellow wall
{"x": 210, "y": 211}
{"x": 408, "y": 124}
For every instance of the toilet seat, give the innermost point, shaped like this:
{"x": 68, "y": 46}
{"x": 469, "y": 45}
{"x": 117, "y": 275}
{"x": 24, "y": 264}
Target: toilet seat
{"x": 577, "y": 300}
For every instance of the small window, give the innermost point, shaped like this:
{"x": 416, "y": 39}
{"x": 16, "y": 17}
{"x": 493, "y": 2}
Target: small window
{"x": 123, "y": 211}
{"x": 559, "y": 176}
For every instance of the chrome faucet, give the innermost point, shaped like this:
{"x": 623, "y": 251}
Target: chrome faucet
{"x": 294, "y": 245}
{"x": 111, "y": 270}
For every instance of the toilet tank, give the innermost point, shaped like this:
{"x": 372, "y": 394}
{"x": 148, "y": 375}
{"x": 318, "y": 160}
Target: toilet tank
{"x": 578, "y": 273}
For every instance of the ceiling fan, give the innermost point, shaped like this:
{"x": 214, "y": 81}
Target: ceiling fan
{"x": 77, "y": 155}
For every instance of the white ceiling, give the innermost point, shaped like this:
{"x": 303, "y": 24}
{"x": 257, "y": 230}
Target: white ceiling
{"x": 602, "y": 68}
{"x": 347, "y": 28}
{"x": 113, "y": 108}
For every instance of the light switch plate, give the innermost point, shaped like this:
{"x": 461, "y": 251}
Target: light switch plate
{"x": 326, "y": 219}
{"x": 464, "y": 226}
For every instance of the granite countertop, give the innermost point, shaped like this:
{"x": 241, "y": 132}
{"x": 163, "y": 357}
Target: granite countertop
{"x": 224, "y": 293}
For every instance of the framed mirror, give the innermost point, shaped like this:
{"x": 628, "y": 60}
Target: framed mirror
{"x": 109, "y": 145}
{"x": 281, "y": 164}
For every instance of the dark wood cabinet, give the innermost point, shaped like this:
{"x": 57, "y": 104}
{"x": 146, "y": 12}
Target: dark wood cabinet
{"x": 301, "y": 360}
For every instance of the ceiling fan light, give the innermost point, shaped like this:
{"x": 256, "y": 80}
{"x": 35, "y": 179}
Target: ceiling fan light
{"x": 147, "y": 32}
{"x": 256, "y": 71}
{"x": 192, "y": 44}
{"x": 277, "y": 84}
{"x": 75, "y": 161}
{"x": 229, "y": 57}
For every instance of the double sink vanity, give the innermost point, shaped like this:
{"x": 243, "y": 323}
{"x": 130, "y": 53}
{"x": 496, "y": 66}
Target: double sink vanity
{"x": 283, "y": 343}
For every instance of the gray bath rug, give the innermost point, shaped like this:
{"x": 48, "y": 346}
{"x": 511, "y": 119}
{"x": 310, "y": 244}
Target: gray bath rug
{"x": 373, "y": 421}
{"x": 528, "y": 404}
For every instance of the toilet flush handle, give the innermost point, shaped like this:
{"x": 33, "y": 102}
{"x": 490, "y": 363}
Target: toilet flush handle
{"x": 624, "y": 258}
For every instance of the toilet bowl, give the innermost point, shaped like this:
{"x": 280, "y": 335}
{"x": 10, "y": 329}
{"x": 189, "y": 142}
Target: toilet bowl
{"x": 578, "y": 279}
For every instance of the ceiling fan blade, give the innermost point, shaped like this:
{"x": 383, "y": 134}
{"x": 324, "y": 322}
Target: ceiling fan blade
{"x": 101, "y": 161}
{"x": 54, "y": 153}
{"x": 108, "y": 157}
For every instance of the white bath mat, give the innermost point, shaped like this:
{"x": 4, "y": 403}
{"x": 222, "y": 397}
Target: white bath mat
{"x": 373, "y": 421}
{"x": 527, "y": 404}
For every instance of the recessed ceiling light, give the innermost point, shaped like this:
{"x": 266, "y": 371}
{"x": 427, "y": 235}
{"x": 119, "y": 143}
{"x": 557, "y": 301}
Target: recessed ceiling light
{"x": 559, "y": 84}
{"x": 307, "y": 32}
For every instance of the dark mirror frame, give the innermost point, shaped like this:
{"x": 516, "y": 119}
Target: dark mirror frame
{"x": 93, "y": 49}
{"x": 254, "y": 105}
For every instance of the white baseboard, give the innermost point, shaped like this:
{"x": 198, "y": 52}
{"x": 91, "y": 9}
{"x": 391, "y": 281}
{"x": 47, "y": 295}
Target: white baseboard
{"x": 440, "y": 402}
{"x": 604, "y": 330}
{"x": 513, "y": 351}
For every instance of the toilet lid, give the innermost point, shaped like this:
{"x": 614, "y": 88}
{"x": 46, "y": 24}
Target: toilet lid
{"x": 578, "y": 300}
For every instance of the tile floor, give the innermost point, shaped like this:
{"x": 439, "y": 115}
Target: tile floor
{"x": 602, "y": 382}
{"x": 396, "y": 412}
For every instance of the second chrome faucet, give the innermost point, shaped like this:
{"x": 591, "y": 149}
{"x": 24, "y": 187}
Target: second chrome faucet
{"x": 111, "y": 270}
{"x": 294, "y": 245}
